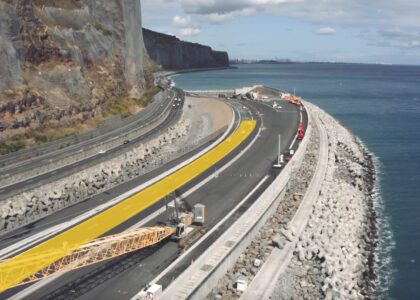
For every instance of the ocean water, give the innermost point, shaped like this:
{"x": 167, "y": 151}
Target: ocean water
{"x": 381, "y": 105}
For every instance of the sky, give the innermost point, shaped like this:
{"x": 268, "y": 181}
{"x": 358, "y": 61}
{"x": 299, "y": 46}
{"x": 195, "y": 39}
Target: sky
{"x": 365, "y": 31}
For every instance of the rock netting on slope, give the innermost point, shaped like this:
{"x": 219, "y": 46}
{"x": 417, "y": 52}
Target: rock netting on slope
{"x": 334, "y": 258}
{"x": 30, "y": 206}
{"x": 276, "y": 231}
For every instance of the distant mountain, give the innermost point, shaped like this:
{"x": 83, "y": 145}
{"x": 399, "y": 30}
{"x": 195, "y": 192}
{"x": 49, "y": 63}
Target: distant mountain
{"x": 173, "y": 54}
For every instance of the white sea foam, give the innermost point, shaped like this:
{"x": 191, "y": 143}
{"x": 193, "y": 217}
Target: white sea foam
{"x": 386, "y": 243}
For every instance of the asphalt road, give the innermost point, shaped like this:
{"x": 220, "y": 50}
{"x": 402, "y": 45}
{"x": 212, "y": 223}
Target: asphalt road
{"x": 123, "y": 277}
{"x": 174, "y": 114}
{"x": 82, "y": 207}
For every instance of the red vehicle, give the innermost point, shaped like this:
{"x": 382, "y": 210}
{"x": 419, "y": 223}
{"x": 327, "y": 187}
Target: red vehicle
{"x": 301, "y": 131}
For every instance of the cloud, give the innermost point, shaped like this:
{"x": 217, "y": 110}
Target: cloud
{"x": 325, "y": 31}
{"x": 380, "y": 17}
{"x": 402, "y": 13}
{"x": 219, "y": 18}
{"x": 189, "y": 31}
{"x": 394, "y": 37}
{"x": 178, "y": 21}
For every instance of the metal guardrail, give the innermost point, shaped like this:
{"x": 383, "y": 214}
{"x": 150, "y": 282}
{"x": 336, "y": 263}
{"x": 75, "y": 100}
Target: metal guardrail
{"x": 73, "y": 140}
{"x": 90, "y": 150}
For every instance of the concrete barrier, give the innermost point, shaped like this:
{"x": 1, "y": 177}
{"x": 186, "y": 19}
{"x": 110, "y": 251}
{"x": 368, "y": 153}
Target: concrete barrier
{"x": 199, "y": 278}
{"x": 78, "y": 156}
{"x": 14, "y": 159}
{"x": 264, "y": 283}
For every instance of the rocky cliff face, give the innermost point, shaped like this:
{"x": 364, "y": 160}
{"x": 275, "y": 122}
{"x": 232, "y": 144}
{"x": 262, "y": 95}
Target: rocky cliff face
{"x": 174, "y": 54}
{"x": 63, "y": 61}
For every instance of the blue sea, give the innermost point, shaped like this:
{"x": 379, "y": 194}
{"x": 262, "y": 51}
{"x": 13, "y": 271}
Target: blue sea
{"x": 381, "y": 105}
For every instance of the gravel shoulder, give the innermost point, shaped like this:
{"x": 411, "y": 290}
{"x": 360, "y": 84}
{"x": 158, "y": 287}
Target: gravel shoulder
{"x": 210, "y": 114}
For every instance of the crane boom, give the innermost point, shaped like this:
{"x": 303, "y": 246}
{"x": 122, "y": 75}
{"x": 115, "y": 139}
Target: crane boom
{"x": 94, "y": 252}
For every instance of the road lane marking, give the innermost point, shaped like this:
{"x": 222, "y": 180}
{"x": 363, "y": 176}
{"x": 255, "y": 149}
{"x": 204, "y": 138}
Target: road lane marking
{"x": 79, "y": 235}
{"x": 196, "y": 187}
{"x": 77, "y": 163}
{"x": 214, "y": 228}
{"x": 39, "y": 237}
{"x": 38, "y": 285}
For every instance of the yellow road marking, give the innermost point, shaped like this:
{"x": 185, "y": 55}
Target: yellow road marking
{"x": 14, "y": 270}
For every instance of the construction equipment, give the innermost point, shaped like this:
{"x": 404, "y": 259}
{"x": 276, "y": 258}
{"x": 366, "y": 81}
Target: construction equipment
{"x": 292, "y": 99}
{"x": 301, "y": 131}
{"x": 103, "y": 249}
{"x": 296, "y": 101}
{"x": 150, "y": 292}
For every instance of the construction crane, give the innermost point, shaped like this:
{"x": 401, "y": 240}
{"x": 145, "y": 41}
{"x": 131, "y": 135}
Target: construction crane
{"x": 103, "y": 249}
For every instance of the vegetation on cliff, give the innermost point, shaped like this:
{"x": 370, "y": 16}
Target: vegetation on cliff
{"x": 173, "y": 54}
{"x": 67, "y": 65}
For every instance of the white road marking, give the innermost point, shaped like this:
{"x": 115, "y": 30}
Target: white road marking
{"x": 26, "y": 292}
{"x": 38, "y": 285}
{"x": 39, "y": 237}
{"x": 81, "y": 150}
{"x": 196, "y": 187}
{"x": 301, "y": 120}
{"x": 216, "y": 227}
{"x": 293, "y": 142}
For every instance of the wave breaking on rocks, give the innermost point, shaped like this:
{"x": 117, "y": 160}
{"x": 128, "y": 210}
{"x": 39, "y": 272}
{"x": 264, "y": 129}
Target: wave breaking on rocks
{"x": 335, "y": 256}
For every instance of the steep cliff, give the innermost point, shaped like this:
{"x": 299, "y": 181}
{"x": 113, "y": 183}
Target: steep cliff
{"x": 63, "y": 62}
{"x": 174, "y": 54}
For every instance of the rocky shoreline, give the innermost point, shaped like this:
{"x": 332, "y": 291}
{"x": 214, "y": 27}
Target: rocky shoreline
{"x": 275, "y": 233}
{"x": 335, "y": 256}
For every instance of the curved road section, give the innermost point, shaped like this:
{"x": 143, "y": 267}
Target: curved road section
{"x": 234, "y": 181}
{"x": 152, "y": 116}
{"x": 14, "y": 270}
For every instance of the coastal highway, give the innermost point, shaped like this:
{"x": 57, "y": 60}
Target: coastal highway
{"x": 174, "y": 114}
{"x": 220, "y": 195}
{"x": 107, "y": 131}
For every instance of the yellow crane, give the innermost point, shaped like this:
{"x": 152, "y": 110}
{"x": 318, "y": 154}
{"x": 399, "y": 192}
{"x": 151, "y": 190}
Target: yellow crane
{"x": 100, "y": 249}
{"x": 94, "y": 252}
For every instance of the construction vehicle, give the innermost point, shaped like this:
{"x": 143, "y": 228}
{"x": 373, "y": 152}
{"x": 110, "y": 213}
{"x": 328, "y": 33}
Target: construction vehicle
{"x": 296, "y": 101}
{"x": 292, "y": 99}
{"x": 301, "y": 131}
{"x": 276, "y": 105}
{"x": 109, "y": 247}
{"x": 150, "y": 292}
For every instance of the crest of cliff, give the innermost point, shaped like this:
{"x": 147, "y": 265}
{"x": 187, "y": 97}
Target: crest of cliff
{"x": 174, "y": 55}
{"x": 64, "y": 62}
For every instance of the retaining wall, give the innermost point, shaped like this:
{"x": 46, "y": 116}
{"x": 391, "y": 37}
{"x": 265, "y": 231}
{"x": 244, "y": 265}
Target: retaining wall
{"x": 264, "y": 283}
{"x": 80, "y": 155}
{"x": 197, "y": 281}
